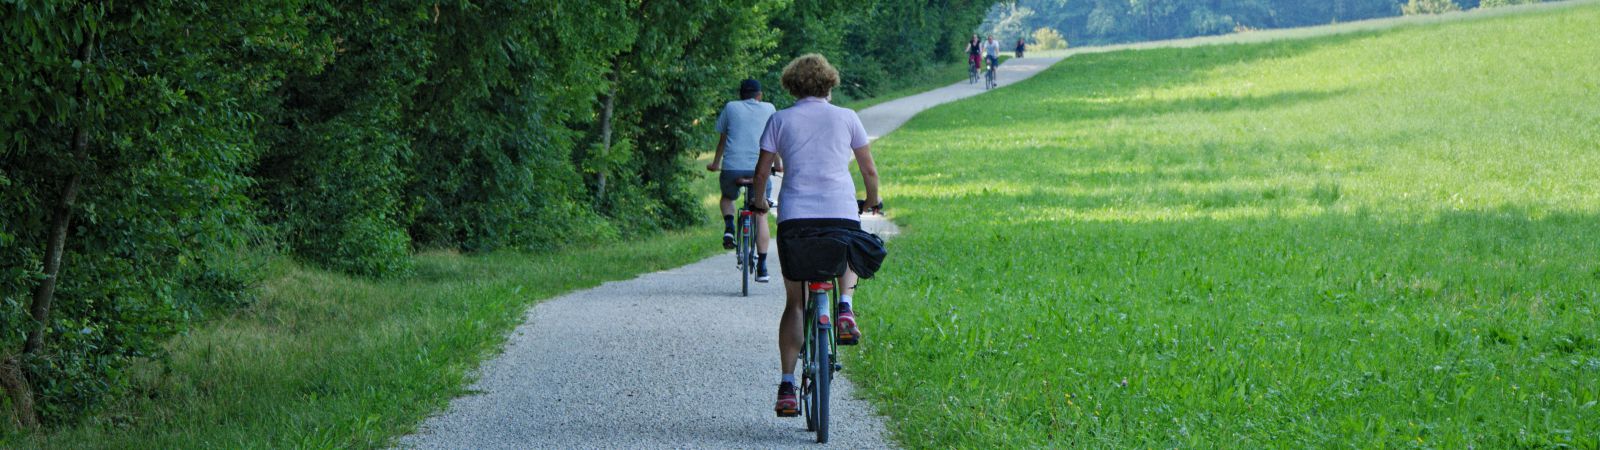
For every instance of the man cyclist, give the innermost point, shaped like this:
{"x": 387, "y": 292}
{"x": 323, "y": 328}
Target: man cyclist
{"x": 740, "y": 125}
{"x": 991, "y": 50}
{"x": 816, "y": 140}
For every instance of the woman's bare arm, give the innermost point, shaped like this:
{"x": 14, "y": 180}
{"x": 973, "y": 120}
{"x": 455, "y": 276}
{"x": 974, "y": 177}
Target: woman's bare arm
{"x": 869, "y": 174}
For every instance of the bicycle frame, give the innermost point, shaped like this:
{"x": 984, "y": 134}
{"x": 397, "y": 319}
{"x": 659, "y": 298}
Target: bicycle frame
{"x": 819, "y": 355}
{"x": 744, "y": 253}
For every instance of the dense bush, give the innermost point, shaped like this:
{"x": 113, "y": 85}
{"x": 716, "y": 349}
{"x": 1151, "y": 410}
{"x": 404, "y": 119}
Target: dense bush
{"x": 1414, "y": 7}
{"x": 127, "y": 129}
{"x": 875, "y": 43}
{"x": 150, "y": 146}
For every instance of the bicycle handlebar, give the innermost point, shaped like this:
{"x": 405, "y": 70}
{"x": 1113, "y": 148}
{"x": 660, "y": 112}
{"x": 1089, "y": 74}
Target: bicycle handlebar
{"x": 861, "y": 207}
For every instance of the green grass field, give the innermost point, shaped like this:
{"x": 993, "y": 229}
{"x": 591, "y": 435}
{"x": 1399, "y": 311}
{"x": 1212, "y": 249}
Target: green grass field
{"x": 1375, "y": 240}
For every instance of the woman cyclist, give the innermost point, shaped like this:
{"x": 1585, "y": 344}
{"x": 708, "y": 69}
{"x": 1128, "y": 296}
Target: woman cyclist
{"x": 816, "y": 141}
{"x": 974, "y": 53}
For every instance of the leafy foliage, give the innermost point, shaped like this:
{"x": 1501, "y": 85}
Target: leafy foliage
{"x": 1415, "y": 7}
{"x": 874, "y": 43}
{"x": 1048, "y": 39}
{"x": 165, "y": 110}
{"x": 346, "y": 133}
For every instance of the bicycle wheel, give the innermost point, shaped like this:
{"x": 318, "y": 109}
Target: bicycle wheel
{"x": 746, "y": 265}
{"x": 807, "y": 377}
{"x": 820, "y": 350}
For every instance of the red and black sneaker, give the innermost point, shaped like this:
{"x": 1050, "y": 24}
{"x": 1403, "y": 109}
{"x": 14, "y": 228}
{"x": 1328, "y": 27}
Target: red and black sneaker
{"x": 848, "y": 333}
{"x": 788, "y": 403}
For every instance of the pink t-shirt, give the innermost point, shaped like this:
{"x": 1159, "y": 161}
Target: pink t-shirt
{"x": 816, "y": 141}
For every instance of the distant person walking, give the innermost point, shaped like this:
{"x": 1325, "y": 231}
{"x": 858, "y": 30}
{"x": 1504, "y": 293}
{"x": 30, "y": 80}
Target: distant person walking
{"x": 1020, "y": 47}
{"x": 740, "y": 125}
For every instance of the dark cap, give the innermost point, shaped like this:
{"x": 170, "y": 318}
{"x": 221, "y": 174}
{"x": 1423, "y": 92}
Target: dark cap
{"x": 750, "y": 85}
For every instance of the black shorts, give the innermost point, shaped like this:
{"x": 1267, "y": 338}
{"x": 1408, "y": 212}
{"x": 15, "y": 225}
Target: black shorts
{"x": 806, "y": 257}
{"x": 799, "y": 224}
{"x": 730, "y": 190}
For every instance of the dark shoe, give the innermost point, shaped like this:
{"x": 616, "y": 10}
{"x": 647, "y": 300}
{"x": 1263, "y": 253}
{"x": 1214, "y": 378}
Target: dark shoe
{"x": 727, "y": 241}
{"x": 788, "y": 403}
{"x": 848, "y": 333}
{"x": 761, "y": 274}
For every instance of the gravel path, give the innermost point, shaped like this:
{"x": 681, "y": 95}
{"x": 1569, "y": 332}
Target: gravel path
{"x": 672, "y": 359}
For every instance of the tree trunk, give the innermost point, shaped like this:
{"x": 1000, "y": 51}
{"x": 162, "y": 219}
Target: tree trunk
{"x": 44, "y": 293}
{"x": 13, "y": 378}
{"x": 59, "y": 224}
{"x": 606, "y": 108}
{"x": 12, "y": 381}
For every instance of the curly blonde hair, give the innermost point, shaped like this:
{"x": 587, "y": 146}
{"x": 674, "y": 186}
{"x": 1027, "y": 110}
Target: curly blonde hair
{"x": 809, "y": 75}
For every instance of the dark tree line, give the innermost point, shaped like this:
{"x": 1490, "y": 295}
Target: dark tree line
{"x": 149, "y": 149}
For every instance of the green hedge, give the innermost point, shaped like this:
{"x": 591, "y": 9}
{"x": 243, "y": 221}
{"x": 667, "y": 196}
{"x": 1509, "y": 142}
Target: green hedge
{"x": 199, "y": 137}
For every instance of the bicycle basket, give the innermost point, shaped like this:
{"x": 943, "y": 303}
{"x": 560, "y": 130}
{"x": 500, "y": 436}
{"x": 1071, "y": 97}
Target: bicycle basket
{"x": 819, "y": 258}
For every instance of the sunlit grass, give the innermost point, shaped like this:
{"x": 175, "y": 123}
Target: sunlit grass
{"x": 1382, "y": 239}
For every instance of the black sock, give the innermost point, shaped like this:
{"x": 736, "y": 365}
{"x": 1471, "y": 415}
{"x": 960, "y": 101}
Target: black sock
{"x": 761, "y": 260}
{"x": 727, "y": 224}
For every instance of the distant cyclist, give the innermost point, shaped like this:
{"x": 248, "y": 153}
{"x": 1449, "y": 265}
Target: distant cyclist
{"x": 974, "y": 52}
{"x": 740, "y": 125}
{"x": 991, "y": 50}
{"x": 1020, "y": 47}
{"x": 816, "y": 141}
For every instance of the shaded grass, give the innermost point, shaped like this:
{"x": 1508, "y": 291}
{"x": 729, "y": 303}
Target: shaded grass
{"x": 325, "y": 360}
{"x": 1369, "y": 240}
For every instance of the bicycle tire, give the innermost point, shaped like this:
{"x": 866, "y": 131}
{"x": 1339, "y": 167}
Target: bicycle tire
{"x": 821, "y": 347}
{"x": 744, "y": 255}
{"x": 807, "y": 377}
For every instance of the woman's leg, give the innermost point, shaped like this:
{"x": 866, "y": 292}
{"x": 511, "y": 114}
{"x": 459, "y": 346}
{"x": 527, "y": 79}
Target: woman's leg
{"x": 790, "y": 333}
{"x": 849, "y": 280}
{"x": 849, "y": 332}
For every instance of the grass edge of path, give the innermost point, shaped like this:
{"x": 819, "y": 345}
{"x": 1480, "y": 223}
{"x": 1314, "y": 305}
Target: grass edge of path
{"x": 326, "y": 360}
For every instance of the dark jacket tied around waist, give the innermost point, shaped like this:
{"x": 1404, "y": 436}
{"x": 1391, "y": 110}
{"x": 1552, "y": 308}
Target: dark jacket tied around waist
{"x": 820, "y": 254}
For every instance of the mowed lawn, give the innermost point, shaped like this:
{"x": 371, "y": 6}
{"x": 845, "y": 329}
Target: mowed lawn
{"x": 1378, "y": 240}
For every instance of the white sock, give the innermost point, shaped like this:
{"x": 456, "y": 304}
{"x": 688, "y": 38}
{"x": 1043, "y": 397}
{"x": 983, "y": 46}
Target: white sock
{"x": 787, "y": 378}
{"x": 844, "y": 302}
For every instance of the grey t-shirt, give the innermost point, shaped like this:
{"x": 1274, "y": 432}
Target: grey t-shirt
{"x": 817, "y": 141}
{"x": 743, "y": 121}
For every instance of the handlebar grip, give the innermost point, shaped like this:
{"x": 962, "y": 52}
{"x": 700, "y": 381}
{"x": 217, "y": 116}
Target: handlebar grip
{"x": 861, "y": 207}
